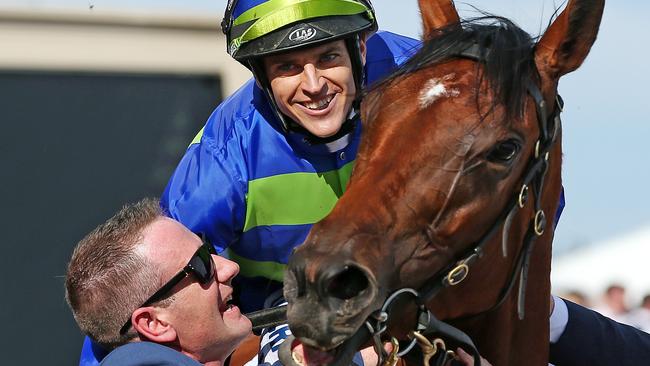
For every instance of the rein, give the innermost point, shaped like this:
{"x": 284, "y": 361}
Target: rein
{"x": 454, "y": 274}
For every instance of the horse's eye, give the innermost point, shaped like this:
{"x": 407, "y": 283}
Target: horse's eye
{"x": 504, "y": 151}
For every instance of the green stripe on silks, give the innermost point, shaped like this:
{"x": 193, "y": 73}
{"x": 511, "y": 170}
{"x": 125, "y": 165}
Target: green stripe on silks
{"x": 294, "y": 199}
{"x": 197, "y": 138}
{"x": 251, "y": 268}
{"x": 284, "y": 12}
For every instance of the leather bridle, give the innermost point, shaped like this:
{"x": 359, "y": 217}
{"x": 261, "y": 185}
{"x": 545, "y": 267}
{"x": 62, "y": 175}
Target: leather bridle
{"x": 532, "y": 183}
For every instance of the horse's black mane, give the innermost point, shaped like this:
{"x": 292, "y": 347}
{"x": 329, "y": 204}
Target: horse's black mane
{"x": 506, "y": 50}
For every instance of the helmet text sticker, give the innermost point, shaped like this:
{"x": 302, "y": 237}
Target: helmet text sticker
{"x": 302, "y": 34}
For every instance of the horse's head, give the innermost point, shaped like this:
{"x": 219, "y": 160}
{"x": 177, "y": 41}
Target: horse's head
{"x": 449, "y": 141}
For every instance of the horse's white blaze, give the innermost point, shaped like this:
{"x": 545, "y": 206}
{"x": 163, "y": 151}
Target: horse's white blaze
{"x": 435, "y": 89}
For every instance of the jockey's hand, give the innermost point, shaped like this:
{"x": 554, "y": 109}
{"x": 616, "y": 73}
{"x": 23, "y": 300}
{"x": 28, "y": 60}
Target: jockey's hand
{"x": 467, "y": 359}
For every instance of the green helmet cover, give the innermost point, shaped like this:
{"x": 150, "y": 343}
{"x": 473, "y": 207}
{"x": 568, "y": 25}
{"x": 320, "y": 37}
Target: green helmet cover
{"x": 282, "y": 25}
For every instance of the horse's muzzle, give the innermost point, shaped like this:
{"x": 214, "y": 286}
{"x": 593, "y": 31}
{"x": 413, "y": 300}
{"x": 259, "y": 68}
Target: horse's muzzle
{"x": 326, "y": 311}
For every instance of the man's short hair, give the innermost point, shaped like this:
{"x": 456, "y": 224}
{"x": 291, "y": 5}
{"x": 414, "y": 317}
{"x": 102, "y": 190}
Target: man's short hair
{"x": 614, "y": 287}
{"x": 107, "y": 279}
{"x": 646, "y": 301}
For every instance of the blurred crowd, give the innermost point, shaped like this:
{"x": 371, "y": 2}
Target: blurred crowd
{"x": 613, "y": 304}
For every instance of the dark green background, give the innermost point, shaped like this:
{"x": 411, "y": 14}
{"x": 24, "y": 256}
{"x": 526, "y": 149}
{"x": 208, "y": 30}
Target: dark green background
{"x": 74, "y": 148}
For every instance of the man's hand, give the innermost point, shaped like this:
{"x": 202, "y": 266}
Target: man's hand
{"x": 370, "y": 357}
{"x": 468, "y": 360}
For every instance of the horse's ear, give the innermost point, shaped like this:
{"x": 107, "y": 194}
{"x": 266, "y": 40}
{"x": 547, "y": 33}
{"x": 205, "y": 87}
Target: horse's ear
{"x": 437, "y": 14}
{"x": 567, "y": 41}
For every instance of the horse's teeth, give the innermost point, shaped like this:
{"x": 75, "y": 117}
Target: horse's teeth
{"x": 297, "y": 358}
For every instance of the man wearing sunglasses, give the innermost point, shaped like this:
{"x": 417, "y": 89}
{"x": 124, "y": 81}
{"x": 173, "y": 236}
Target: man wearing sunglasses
{"x": 153, "y": 292}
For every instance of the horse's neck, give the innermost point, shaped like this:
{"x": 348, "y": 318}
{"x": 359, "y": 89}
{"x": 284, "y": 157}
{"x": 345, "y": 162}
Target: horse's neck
{"x": 505, "y": 340}
{"x": 498, "y": 334}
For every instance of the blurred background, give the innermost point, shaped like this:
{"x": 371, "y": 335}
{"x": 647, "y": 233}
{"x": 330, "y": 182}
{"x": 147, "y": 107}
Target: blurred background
{"x": 98, "y": 100}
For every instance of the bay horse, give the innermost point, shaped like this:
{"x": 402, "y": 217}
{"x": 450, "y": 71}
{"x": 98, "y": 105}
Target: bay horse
{"x": 454, "y": 190}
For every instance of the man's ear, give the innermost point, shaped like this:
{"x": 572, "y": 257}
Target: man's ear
{"x": 152, "y": 325}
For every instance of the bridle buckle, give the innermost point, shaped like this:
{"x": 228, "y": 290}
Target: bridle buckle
{"x": 540, "y": 222}
{"x": 523, "y": 196}
{"x": 457, "y": 275}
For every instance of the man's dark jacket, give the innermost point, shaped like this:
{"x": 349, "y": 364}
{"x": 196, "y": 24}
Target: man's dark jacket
{"x": 591, "y": 339}
{"x": 146, "y": 354}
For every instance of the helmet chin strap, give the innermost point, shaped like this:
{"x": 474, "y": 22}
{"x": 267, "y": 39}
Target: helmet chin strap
{"x": 326, "y": 145}
{"x": 344, "y": 136}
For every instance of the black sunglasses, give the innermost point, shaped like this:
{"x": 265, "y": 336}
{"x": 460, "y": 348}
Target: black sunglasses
{"x": 200, "y": 265}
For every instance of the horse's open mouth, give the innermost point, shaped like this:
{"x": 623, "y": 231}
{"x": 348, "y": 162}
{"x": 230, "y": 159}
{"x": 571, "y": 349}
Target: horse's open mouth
{"x": 305, "y": 355}
{"x": 293, "y": 352}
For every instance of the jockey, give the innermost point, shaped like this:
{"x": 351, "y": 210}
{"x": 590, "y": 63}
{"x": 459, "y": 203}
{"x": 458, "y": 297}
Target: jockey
{"x": 275, "y": 156}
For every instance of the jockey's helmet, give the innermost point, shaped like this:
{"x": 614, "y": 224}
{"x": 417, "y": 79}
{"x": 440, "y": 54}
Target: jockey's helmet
{"x": 258, "y": 28}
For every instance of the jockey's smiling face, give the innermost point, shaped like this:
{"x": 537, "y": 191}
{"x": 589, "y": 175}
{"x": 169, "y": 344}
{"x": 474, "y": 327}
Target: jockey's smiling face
{"x": 314, "y": 86}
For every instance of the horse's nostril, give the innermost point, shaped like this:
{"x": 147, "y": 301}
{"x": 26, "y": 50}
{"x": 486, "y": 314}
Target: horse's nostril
{"x": 300, "y": 281}
{"x": 348, "y": 283}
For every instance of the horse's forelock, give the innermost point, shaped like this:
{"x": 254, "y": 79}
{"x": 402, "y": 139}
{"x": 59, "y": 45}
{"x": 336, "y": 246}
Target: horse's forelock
{"x": 508, "y": 63}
